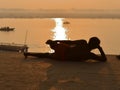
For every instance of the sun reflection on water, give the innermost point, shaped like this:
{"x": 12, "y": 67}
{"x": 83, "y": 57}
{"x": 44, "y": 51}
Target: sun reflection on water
{"x": 59, "y": 31}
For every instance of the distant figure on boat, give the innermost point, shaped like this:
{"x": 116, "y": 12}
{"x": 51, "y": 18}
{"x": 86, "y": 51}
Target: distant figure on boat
{"x": 77, "y": 50}
{"x": 6, "y": 29}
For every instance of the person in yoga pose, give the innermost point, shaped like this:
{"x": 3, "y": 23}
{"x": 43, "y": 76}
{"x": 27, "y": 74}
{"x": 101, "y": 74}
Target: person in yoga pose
{"x": 78, "y": 50}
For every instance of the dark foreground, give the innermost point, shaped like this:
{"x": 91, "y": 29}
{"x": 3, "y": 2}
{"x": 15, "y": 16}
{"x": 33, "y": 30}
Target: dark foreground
{"x": 16, "y": 73}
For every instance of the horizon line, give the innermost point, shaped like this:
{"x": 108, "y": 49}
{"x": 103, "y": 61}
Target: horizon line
{"x": 59, "y": 9}
{"x": 55, "y": 13}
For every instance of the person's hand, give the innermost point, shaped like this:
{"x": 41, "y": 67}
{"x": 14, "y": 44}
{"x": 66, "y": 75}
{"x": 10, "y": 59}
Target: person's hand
{"x": 99, "y": 47}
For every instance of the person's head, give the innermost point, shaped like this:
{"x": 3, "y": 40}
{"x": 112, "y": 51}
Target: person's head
{"x": 93, "y": 42}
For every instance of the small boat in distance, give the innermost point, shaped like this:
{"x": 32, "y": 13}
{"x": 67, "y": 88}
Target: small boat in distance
{"x": 66, "y": 22}
{"x": 6, "y": 29}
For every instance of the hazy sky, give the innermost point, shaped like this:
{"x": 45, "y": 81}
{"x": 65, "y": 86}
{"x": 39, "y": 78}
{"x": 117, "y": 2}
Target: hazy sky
{"x": 61, "y": 4}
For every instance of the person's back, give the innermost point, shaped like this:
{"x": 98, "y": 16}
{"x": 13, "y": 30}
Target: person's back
{"x": 79, "y": 50}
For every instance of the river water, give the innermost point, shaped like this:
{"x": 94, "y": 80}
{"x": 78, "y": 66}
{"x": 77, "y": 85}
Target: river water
{"x": 35, "y": 32}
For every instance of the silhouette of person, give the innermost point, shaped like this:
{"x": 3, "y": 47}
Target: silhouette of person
{"x": 78, "y": 50}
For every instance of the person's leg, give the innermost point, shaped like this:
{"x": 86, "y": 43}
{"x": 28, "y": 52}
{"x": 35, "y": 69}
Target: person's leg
{"x": 39, "y": 55}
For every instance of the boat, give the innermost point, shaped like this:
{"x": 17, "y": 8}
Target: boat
{"x": 6, "y": 29}
{"x": 66, "y": 22}
{"x": 13, "y": 47}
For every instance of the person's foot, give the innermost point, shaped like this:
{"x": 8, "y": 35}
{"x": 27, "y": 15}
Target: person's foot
{"x": 25, "y": 55}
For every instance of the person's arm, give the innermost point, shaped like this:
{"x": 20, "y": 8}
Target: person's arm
{"x": 103, "y": 56}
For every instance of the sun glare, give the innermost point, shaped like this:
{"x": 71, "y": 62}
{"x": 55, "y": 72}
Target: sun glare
{"x": 59, "y": 31}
